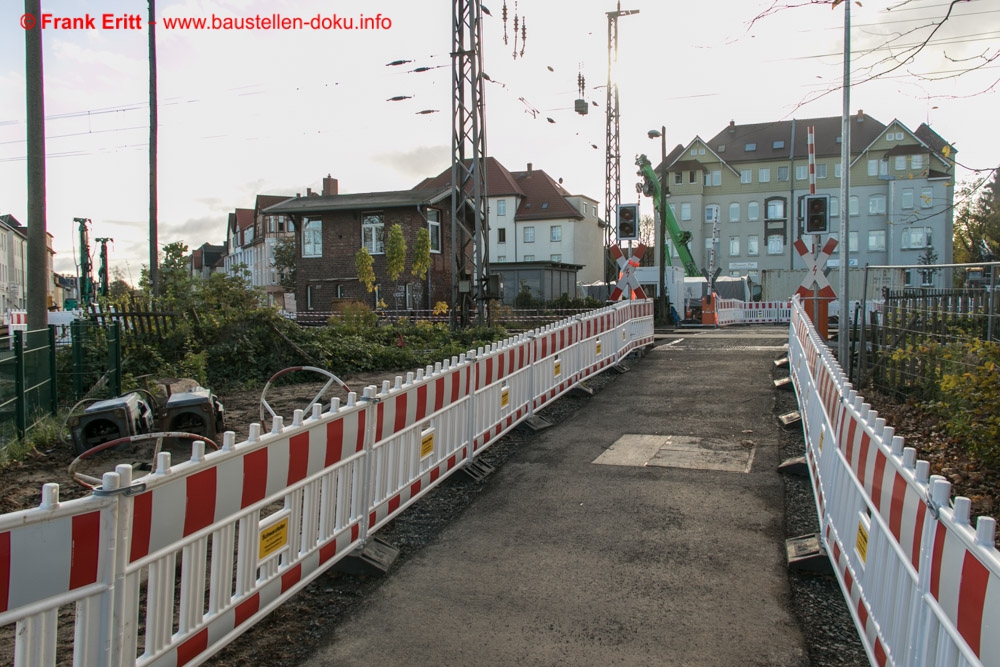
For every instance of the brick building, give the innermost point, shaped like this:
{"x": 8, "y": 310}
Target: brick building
{"x": 331, "y": 228}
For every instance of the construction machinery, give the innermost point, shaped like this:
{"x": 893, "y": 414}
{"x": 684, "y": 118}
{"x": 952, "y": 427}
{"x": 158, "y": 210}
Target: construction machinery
{"x": 651, "y": 187}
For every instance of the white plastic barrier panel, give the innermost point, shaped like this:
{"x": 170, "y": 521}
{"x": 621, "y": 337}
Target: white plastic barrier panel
{"x": 598, "y": 346}
{"x": 923, "y": 586}
{"x": 421, "y": 437}
{"x": 553, "y": 361}
{"x": 503, "y": 394}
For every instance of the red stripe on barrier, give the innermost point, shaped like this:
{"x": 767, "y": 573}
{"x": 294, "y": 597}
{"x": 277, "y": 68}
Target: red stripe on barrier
{"x": 394, "y": 503}
{"x": 836, "y": 552}
{"x": 880, "y": 656}
{"x": 438, "y": 394}
{"x": 401, "y": 402}
{"x": 971, "y": 600}
{"x": 489, "y": 372}
{"x": 355, "y": 531}
{"x": 371, "y": 519}
{"x": 456, "y": 381}
{"x": 850, "y": 439}
{"x": 290, "y": 578}
{"x": 877, "y": 480}
{"x": 421, "y": 401}
{"x": 246, "y": 609}
{"x": 254, "y": 477}
{"x": 848, "y": 581}
{"x": 298, "y": 457}
{"x": 521, "y": 357}
{"x": 334, "y": 442}
{"x": 435, "y": 473}
{"x": 199, "y": 510}
{"x": 862, "y": 613}
{"x": 936, "y": 559}
{"x": 142, "y": 519}
{"x": 896, "y": 505}
{"x": 379, "y": 418}
{"x": 360, "y": 444}
{"x": 918, "y": 533}
{"x": 192, "y": 648}
{"x": 451, "y": 461}
{"x": 863, "y": 456}
{"x": 86, "y": 549}
{"x": 328, "y": 551}
{"x": 545, "y": 345}
{"x": 415, "y": 488}
{"x": 4, "y": 570}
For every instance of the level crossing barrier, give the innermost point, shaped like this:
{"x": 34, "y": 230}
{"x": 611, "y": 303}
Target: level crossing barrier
{"x": 922, "y": 584}
{"x": 167, "y": 569}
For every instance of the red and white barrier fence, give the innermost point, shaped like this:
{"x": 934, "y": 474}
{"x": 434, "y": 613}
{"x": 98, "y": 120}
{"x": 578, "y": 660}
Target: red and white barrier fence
{"x": 922, "y": 584}
{"x": 169, "y": 568}
{"x": 734, "y": 311}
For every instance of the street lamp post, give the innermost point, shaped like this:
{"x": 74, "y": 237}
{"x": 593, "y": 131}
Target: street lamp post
{"x": 662, "y": 252}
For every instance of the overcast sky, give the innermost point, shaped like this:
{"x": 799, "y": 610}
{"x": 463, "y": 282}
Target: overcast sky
{"x": 247, "y": 112}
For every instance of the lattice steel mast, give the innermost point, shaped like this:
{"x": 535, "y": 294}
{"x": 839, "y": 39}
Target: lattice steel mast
{"x": 612, "y": 173}
{"x": 469, "y": 221}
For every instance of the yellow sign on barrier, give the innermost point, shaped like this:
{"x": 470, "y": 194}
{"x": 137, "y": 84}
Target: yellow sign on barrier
{"x": 598, "y": 348}
{"x": 557, "y": 368}
{"x": 504, "y": 397}
{"x": 273, "y": 538}
{"x": 427, "y": 444}
{"x": 861, "y": 544}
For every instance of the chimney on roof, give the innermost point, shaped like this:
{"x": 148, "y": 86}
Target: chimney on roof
{"x": 309, "y": 192}
{"x": 732, "y": 127}
{"x": 861, "y": 116}
{"x": 529, "y": 168}
{"x": 330, "y": 186}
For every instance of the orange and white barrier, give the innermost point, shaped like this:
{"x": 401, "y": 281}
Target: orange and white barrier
{"x": 174, "y": 565}
{"x": 922, "y": 584}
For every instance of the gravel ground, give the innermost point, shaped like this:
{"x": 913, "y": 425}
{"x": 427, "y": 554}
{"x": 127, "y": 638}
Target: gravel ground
{"x": 290, "y": 633}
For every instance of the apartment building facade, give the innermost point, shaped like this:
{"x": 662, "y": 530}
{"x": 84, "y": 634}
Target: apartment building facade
{"x": 748, "y": 182}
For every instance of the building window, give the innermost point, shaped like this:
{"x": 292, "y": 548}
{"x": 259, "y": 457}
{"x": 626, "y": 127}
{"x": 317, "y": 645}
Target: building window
{"x": 801, "y": 172}
{"x": 373, "y": 233}
{"x": 821, "y": 170}
{"x": 852, "y": 241}
{"x": 764, "y": 175}
{"x": 834, "y": 207}
{"x": 883, "y": 167}
{"x": 746, "y": 176}
{"x": 501, "y": 207}
{"x": 692, "y": 177}
{"x": 873, "y": 167}
{"x": 270, "y": 223}
{"x": 501, "y": 235}
{"x": 555, "y": 258}
{"x": 915, "y": 238}
{"x": 917, "y": 162}
{"x": 836, "y": 170}
{"x": 753, "y": 245}
{"x": 434, "y": 228}
{"x": 529, "y": 258}
{"x": 501, "y": 258}
{"x": 310, "y": 302}
{"x": 734, "y": 212}
{"x": 907, "y": 198}
{"x": 776, "y": 145}
{"x": 854, "y": 205}
{"x": 876, "y": 205}
{"x": 775, "y": 208}
{"x": 312, "y": 238}
{"x": 750, "y": 148}
{"x": 678, "y": 177}
{"x": 713, "y": 177}
{"x": 876, "y": 240}
{"x": 775, "y": 244}
{"x": 753, "y": 211}
{"x": 734, "y": 246}
{"x": 712, "y": 213}
{"x": 926, "y": 197}
{"x": 782, "y": 173}
{"x": 686, "y": 211}
{"x": 555, "y": 233}
{"x": 529, "y": 234}
{"x": 900, "y": 163}
{"x": 340, "y": 291}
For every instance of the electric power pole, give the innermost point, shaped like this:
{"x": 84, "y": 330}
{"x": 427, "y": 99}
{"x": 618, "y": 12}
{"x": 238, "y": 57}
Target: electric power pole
{"x": 612, "y": 174}
{"x": 37, "y": 278}
{"x": 469, "y": 221}
{"x": 154, "y": 247}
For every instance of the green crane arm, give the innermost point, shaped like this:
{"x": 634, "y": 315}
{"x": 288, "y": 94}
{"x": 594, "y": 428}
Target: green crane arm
{"x": 681, "y": 238}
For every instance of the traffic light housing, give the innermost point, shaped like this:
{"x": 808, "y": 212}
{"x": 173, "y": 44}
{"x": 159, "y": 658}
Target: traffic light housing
{"x": 817, "y": 214}
{"x": 628, "y": 222}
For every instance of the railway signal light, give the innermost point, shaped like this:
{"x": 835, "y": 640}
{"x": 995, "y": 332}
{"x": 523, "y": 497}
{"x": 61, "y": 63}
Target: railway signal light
{"x": 817, "y": 214}
{"x": 628, "y": 222}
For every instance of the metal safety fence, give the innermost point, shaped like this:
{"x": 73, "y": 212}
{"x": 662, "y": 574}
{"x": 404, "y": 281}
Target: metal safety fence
{"x": 168, "y": 568}
{"x": 922, "y": 584}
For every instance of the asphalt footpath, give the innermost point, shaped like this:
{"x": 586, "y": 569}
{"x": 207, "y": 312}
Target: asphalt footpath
{"x": 646, "y": 529}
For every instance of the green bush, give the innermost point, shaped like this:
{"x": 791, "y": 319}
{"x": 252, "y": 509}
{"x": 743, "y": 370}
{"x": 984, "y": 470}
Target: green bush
{"x": 969, "y": 396}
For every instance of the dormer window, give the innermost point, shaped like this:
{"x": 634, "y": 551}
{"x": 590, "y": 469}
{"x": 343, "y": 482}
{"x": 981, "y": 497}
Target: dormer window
{"x": 778, "y": 144}
{"x": 751, "y": 148}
